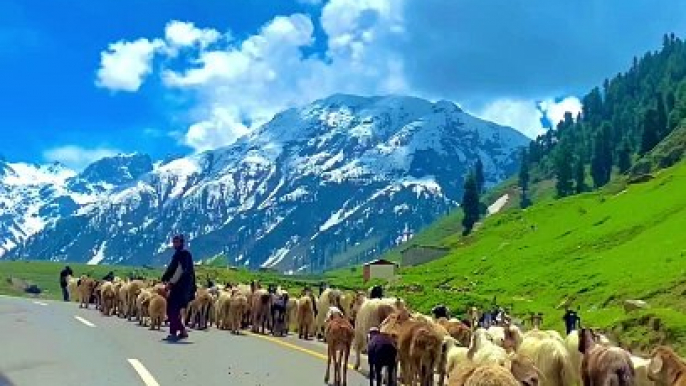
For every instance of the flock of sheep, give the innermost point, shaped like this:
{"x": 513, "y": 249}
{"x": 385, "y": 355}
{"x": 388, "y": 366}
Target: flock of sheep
{"x": 422, "y": 348}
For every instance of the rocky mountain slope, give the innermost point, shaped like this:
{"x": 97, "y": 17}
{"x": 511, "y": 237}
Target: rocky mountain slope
{"x": 336, "y": 181}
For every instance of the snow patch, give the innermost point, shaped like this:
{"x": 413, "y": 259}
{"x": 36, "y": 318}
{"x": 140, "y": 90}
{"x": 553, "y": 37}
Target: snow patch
{"x": 29, "y": 175}
{"x": 276, "y": 257}
{"x": 99, "y": 256}
{"x": 498, "y": 204}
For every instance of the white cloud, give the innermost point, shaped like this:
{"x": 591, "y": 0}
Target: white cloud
{"x": 124, "y": 65}
{"x": 520, "y": 114}
{"x": 525, "y": 115}
{"x": 77, "y": 157}
{"x": 556, "y": 110}
{"x": 221, "y": 129}
{"x": 185, "y": 34}
{"x": 250, "y": 80}
{"x": 268, "y": 72}
{"x": 239, "y": 84}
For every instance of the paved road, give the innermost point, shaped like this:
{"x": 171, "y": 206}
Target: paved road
{"x": 56, "y": 343}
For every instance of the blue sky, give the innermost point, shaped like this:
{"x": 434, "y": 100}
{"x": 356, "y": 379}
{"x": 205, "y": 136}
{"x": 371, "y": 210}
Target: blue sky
{"x": 83, "y": 79}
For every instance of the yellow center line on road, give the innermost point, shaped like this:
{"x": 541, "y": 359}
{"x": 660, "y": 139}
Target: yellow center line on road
{"x": 292, "y": 346}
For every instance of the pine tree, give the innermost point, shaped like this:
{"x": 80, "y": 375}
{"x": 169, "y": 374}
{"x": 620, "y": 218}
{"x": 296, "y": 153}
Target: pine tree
{"x": 479, "y": 175}
{"x": 601, "y": 161}
{"x": 671, "y": 101}
{"x": 579, "y": 177}
{"x": 624, "y": 158}
{"x": 524, "y": 180}
{"x": 470, "y": 204}
{"x": 661, "y": 118}
{"x": 649, "y": 137}
{"x": 563, "y": 172}
{"x": 534, "y": 153}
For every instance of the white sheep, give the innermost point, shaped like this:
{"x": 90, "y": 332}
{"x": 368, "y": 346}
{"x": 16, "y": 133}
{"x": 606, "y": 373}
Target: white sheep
{"x": 551, "y": 357}
{"x": 370, "y": 314}
{"x": 330, "y": 297}
{"x": 641, "y": 369}
{"x": 455, "y": 354}
{"x": 483, "y": 350}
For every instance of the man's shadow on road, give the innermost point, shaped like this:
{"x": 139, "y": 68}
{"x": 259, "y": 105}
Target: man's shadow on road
{"x": 175, "y": 341}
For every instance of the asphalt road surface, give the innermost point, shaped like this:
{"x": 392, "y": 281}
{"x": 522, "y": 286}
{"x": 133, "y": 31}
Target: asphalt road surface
{"x": 56, "y": 343}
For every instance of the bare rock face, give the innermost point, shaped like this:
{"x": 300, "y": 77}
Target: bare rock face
{"x": 633, "y": 305}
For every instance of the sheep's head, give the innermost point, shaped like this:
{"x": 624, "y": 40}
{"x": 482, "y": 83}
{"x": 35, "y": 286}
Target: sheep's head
{"x": 587, "y": 340}
{"x": 333, "y": 312}
{"x": 394, "y": 321}
{"x": 536, "y": 320}
{"x": 513, "y": 338}
{"x": 524, "y": 370}
{"x": 480, "y": 337}
{"x": 665, "y": 366}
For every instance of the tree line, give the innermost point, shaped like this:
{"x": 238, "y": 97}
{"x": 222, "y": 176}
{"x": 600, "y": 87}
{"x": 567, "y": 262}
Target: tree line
{"x": 621, "y": 121}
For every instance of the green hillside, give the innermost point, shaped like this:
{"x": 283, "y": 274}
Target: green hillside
{"x": 601, "y": 248}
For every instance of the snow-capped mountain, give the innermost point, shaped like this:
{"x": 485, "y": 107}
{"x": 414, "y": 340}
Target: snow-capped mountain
{"x": 34, "y": 196}
{"x": 319, "y": 186}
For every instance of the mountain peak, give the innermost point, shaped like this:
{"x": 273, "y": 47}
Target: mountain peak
{"x": 341, "y": 176}
{"x": 118, "y": 169}
{"x": 448, "y": 106}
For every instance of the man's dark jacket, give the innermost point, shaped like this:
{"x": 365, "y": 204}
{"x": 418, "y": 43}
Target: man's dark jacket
{"x": 63, "y": 277}
{"x": 181, "y": 274}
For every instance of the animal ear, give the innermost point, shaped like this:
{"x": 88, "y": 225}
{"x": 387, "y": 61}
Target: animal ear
{"x": 655, "y": 365}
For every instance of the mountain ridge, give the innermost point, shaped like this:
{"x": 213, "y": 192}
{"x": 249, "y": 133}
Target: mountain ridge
{"x": 282, "y": 196}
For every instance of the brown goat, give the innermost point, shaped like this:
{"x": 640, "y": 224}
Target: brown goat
{"x": 339, "y": 335}
{"x": 109, "y": 299}
{"x": 261, "y": 304}
{"x": 484, "y": 375}
{"x": 85, "y": 290}
{"x": 602, "y": 365}
{"x": 666, "y": 368}
{"x": 238, "y": 305}
{"x": 132, "y": 290}
{"x": 199, "y": 309}
{"x": 157, "y": 308}
{"x": 419, "y": 350}
{"x": 457, "y": 330}
{"x": 305, "y": 317}
{"x": 522, "y": 372}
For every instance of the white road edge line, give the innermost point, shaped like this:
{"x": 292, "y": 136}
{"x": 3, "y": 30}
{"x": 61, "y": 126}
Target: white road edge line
{"x": 84, "y": 321}
{"x": 143, "y": 373}
{"x": 40, "y": 303}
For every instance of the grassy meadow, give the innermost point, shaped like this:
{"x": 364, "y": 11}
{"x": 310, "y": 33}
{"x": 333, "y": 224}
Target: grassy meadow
{"x": 595, "y": 250}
